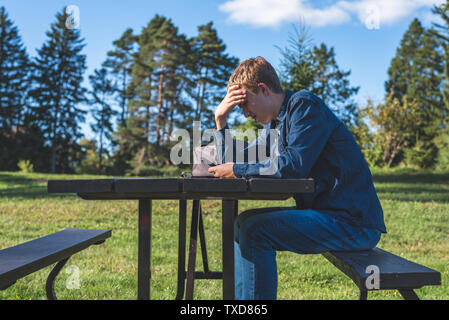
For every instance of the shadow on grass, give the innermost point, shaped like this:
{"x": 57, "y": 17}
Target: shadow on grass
{"x": 31, "y": 192}
{"x": 412, "y": 177}
{"x": 403, "y": 197}
{"x": 22, "y": 186}
{"x": 16, "y": 178}
{"x": 412, "y": 186}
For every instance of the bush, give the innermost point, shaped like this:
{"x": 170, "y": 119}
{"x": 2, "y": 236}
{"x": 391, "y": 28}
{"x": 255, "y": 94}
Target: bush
{"x": 442, "y": 143}
{"x": 422, "y": 155}
{"x": 25, "y": 166}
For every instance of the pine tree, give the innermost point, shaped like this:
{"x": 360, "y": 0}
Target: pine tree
{"x": 442, "y": 32}
{"x": 14, "y": 69}
{"x": 170, "y": 72}
{"x": 212, "y": 68}
{"x": 14, "y": 81}
{"x": 417, "y": 71}
{"x": 57, "y": 92}
{"x": 315, "y": 69}
{"x": 136, "y": 137}
{"x": 296, "y": 68}
{"x": 119, "y": 63}
{"x": 174, "y": 81}
{"x": 102, "y": 112}
{"x": 332, "y": 84}
{"x": 158, "y": 80}
{"x": 141, "y": 106}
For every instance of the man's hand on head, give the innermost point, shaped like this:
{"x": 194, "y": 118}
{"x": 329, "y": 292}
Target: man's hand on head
{"x": 235, "y": 96}
{"x": 225, "y": 171}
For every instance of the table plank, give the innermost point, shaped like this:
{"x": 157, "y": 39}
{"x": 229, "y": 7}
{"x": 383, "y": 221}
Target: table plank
{"x": 167, "y": 187}
{"x": 182, "y": 188}
{"x": 264, "y": 185}
{"x": 148, "y": 185}
{"x": 80, "y": 186}
{"x": 212, "y": 185}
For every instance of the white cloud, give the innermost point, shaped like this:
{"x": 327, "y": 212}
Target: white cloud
{"x": 272, "y": 13}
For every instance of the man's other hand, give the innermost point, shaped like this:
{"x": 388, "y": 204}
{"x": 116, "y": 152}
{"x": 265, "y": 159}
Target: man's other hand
{"x": 223, "y": 171}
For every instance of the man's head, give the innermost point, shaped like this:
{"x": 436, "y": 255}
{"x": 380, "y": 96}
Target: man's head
{"x": 264, "y": 90}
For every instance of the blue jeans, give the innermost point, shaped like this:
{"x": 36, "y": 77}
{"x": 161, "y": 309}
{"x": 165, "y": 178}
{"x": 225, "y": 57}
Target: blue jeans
{"x": 259, "y": 233}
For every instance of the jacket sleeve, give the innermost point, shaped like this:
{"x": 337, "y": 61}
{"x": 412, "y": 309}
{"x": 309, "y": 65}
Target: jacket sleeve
{"x": 307, "y": 134}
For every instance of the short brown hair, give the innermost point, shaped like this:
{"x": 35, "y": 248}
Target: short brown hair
{"x": 253, "y": 71}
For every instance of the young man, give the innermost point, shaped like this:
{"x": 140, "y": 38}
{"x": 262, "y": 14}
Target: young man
{"x": 344, "y": 212}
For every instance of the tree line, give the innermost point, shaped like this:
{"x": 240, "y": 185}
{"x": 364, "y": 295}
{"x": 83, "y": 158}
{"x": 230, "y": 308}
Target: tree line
{"x": 158, "y": 80}
{"x": 149, "y": 84}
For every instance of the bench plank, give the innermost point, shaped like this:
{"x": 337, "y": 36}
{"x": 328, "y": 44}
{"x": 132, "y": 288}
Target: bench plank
{"x": 21, "y": 260}
{"x": 395, "y": 272}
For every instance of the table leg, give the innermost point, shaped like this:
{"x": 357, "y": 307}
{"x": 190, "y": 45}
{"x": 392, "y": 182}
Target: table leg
{"x": 203, "y": 243}
{"x": 181, "y": 249}
{"x": 144, "y": 250}
{"x": 229, "y": 212}
{"x": 192, "y": 250}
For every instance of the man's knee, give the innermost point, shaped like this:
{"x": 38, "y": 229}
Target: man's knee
{"x": 253, "y": 222}
{"x": 255, "y": 227}
{"x": 240, "y": 220}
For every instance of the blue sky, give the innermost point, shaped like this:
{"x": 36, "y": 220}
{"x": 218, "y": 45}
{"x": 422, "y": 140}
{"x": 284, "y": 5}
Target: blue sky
{"x": 364, "y": 33}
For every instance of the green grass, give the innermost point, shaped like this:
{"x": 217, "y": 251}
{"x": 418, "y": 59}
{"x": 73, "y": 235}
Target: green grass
{"x": 416, "y": 207}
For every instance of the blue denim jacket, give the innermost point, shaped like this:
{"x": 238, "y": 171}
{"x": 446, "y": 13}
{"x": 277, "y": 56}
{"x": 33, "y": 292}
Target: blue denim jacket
{"x": 314, "y": 143}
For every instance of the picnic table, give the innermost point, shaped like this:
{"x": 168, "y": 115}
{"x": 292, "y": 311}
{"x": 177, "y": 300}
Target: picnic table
{"x": 144, "y": 190}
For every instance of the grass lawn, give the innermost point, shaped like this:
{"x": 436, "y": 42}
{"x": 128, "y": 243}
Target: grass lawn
{"x": 415, "y": 203}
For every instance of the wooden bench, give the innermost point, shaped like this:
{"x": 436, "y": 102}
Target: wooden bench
{"x": 394, "y": 272}
{"x": 21, "y": 260}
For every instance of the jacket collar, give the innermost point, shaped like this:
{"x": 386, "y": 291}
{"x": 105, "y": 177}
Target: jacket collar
{"x": 280, "y": 117}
